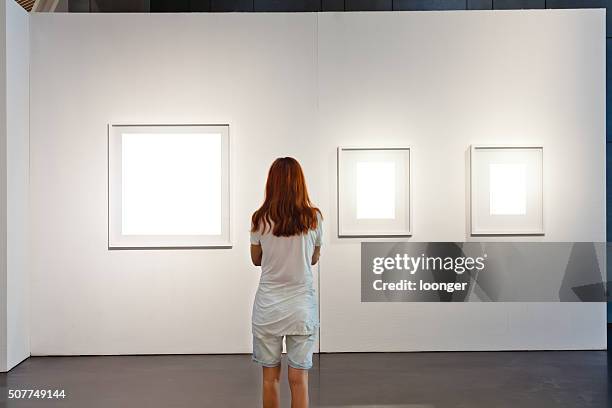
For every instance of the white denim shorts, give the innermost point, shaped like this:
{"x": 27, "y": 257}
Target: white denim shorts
{"x": 267, "y": 350}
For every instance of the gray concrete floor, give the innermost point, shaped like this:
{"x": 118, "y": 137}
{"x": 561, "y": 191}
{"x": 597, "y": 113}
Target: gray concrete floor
{"x": 390, "y": 380}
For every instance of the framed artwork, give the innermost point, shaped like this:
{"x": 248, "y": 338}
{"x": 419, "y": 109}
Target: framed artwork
{"x": 374, "y": 192}
{"x": 168, "y": 186}
{"x": 506, "y": 190}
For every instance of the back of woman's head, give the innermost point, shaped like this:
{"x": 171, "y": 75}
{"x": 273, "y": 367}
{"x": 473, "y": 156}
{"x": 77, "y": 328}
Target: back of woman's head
{"x": 287, "y": 208}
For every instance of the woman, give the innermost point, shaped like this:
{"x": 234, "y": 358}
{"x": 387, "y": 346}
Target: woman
{"x": 285, "y": 241}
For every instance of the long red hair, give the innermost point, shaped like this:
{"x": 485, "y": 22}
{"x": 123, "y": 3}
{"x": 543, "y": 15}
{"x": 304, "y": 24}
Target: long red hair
{"x": 287, "y": 208}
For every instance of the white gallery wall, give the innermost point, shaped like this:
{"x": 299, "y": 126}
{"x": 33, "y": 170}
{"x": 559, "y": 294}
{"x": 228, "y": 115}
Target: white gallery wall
{"x": 300, "y": 85}
{"x": 3, "y": 192}
{"x": 439, "y": 82}
{"x": 255, "y": 72}
{"x": 14, "y": 188}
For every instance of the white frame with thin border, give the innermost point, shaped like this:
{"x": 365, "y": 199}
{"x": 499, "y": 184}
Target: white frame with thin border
{"x": 342, "y": 232}
{"x": 118, "y": 241}
{"x": 474, "y": 231}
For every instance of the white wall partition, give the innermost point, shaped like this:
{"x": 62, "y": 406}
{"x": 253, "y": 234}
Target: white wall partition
{"x": 14, "y": 136}
{"x": 439, "y": 82}
{"x": 3, "y": 191}
{"x": 301, "y": 85}
{"x": 254, "y": 72}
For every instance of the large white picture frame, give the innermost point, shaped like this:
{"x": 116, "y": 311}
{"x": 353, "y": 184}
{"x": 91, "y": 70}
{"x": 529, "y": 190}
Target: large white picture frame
{"x": 507, "y": 189}
{"x": 374, "y": 192}
{"x": 169, "y": 186}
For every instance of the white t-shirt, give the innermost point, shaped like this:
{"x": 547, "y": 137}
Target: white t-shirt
{"x": 286, "y": 302}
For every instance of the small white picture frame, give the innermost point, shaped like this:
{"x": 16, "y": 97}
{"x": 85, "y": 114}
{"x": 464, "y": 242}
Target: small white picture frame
{"x": 374, "y": 192}
{"x": 507, "y": 190}
{"x": 169, "y": 186}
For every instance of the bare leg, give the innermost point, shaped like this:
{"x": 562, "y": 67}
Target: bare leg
{"x": 271, "y": 378}
{"x": 298, "y": 382}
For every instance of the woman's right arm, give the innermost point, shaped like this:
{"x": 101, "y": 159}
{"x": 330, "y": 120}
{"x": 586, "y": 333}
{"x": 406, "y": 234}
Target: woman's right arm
{"x": 318, "y": 240}
{"x": 315, "y": 255}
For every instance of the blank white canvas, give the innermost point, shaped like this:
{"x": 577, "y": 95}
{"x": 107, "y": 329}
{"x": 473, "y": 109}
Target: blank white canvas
{"x": 508, "y": 188}
{"x": 373, "y": 191}
{"x": 171, "y": 184}
{"x": 375, "y": 188}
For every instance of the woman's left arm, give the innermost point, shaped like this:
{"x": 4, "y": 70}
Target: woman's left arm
{"x": 256, "y": 254}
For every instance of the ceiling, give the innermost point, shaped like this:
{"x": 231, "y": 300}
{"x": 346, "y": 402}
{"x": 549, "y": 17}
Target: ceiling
{"x": 26, "y": 4}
